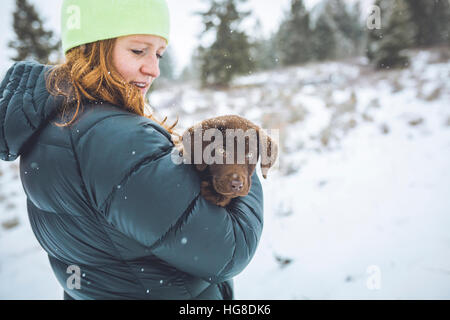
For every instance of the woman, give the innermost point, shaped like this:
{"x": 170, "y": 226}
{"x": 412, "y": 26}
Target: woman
{"x": 118, "y": 219}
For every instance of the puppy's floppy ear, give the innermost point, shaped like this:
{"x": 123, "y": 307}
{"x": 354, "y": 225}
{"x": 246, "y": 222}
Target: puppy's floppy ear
{"x": 191, "y": 136}
{"x": 268, "y": 149}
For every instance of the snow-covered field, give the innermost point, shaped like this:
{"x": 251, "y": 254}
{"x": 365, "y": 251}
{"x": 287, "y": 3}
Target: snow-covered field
{"x": 359, "y": 206}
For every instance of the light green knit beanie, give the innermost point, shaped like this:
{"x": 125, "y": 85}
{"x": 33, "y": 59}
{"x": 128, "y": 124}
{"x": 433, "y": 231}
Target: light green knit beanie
{"x": 86, "y": 21}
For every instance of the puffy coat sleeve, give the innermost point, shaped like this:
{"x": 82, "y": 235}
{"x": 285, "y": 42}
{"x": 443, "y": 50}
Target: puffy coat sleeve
{"x": 131, "y": 177}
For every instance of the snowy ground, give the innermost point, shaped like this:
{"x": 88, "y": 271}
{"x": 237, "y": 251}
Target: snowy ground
{"x": 359, "y": 207}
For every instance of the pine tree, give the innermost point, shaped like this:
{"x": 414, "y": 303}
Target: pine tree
{"x": 440, "y": 20}
{"x": 433, "y": 21}
{"x": 266, "y": 53}
{"x": 337, "y": 30}
{"x": 33, "y": 41}
{"x": 357, "y": 34}
{"x": 293, "y": 37}
{"x": 264, "y": 49}
{"x": 385, "y": 45}
{"x": 348, "y": 28}
{"x": 229, "y": 55}
{"x": 421, "y": 12}
{"x": 324, "y": 44}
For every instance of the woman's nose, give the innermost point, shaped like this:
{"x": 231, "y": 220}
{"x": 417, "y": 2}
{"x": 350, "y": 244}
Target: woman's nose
{"x": 151, "y": 68}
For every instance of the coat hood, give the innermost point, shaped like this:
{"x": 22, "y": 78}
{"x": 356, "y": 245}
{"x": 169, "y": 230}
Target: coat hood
{"x": 25, "y": 106}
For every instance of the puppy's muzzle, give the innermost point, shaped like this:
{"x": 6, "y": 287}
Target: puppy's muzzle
{"x": 233, "y": 185}
{"x": 237, "y": 185}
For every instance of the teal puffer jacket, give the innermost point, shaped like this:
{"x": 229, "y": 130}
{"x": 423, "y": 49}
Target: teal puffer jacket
{"x": 117, "y": 217}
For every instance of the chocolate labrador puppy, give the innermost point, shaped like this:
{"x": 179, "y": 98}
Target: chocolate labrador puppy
{"x": 225, "y": 151}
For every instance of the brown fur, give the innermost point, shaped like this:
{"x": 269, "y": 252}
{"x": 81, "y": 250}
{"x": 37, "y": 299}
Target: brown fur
{"x": 222, "y": 182}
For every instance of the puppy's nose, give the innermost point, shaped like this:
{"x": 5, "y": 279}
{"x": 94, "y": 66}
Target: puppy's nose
{"x": 237, "y": 185}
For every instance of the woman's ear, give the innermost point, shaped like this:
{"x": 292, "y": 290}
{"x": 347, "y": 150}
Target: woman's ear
{"x": 268, "y": 149}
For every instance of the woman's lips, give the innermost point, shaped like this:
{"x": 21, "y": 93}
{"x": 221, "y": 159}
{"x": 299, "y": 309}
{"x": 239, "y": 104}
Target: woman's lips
{"x": 143, "y": 86}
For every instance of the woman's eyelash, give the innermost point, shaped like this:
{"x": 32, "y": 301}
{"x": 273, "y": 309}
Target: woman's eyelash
{"x": 139, "y": 52}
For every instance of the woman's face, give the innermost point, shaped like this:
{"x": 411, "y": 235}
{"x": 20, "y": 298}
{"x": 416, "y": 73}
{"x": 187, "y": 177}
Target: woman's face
{"x": 136, "y": 58}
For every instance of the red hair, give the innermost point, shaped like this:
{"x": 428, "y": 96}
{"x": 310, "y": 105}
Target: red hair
{"x": 88, "y": 73}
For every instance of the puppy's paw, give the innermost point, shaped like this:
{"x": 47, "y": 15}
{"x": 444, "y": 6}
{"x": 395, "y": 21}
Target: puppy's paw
{"x": 211, "y": 195}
